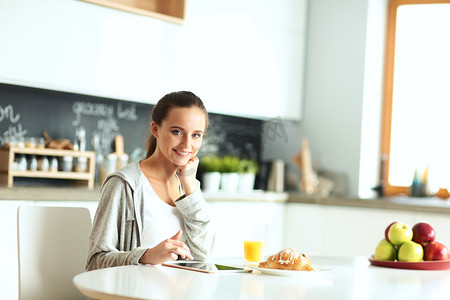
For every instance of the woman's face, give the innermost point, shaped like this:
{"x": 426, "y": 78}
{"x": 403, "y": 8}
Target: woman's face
{"x": 180, "y": 135}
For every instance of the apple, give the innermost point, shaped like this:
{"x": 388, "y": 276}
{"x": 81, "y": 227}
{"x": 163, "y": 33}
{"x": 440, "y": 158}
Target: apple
{"x": 410, "y": 251}
{"x": 385, "y": 251}
{"x": 399, "y": 233}
{"x": 423, "y": 233}
{"x": 436, "y": 251}
{"x": 386, "y": 231}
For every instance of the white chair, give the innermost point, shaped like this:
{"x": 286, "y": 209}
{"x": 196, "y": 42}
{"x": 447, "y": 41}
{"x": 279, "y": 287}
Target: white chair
{"x": 53, "y": 247}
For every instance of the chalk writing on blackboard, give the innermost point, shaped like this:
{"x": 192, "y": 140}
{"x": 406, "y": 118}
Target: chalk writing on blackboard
{"x": 91, "y": 109}
{"x": 15, "y": 128}
{"x": 107, "y": 122}
{"x": 127, "y": 113}
{"x": 7, "y": 113}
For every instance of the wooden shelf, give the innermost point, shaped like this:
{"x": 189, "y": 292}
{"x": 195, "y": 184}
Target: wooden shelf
{"x": 167, "y": 10}
{"x": 50, "y": 152}
{"x": 7, "y": 173}
{"x": 45, "y": 174}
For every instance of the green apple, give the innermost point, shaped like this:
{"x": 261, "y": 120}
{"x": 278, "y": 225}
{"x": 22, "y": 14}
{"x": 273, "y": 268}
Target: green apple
{"x": 399, "y": 233}
{"x": 410, "y": 251}
{"x": 385, "y": 251}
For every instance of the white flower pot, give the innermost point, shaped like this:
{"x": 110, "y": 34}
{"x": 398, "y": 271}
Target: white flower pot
{"x": 246, "y": 182}
{"x": 211, "y": 181}
{"x": 229, "y": 182}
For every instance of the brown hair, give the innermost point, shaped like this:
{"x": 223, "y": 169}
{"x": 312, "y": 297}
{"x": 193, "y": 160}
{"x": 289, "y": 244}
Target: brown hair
{"x": 165, "y": 105}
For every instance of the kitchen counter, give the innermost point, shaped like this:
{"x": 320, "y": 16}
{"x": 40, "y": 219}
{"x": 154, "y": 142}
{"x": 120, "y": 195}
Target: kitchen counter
{"x": 254, "y": 196}
{"x": 431, "y": 204}
{"x": 84, "y": 194}
{"x": 428, "y": 204}
{"x": 49, "y": 193}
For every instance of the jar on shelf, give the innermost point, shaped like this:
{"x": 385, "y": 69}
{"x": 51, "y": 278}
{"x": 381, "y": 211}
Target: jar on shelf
{"x": 23, "y": 163}
{"x": 30, "y": 142}
{"x": 20, "y": 142}
{"x": 43, "y": 164}
{"x": 40, "y": 143}
{"x": 15, "y": 165}
{"x": 53, "y": 164}
{"x": 66, "y": 163}
{"x": 9, "y": 141}
{"x": 32, "y": 164}
{"x": 109, "y": 165}
{"x": 81, "y": 164}
{"x": 19, "y": 163}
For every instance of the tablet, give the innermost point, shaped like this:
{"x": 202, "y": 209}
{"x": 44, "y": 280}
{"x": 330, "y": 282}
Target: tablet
{"x": 205, "y": 267}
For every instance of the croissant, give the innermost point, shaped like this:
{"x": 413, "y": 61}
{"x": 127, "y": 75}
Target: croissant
{"x": 288, "y": 259}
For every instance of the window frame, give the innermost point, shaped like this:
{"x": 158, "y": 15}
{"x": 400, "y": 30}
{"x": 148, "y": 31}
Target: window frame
{"x": 386, "y": 123}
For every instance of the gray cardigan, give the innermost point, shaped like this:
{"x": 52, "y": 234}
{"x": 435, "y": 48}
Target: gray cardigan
{"x": 116, "y": 234}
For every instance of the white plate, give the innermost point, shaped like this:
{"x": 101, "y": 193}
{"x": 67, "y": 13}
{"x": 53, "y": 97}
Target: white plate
{"x": 289, "y": 272}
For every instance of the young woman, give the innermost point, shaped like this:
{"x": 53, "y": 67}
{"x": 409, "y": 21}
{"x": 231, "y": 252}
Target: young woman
{"x": 153, "y": 211}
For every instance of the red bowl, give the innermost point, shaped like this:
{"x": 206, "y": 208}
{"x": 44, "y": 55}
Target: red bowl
{"x": 422, "y": 265}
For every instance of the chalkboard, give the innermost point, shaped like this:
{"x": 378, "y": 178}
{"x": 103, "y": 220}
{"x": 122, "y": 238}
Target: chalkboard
{"x": 26, "y": 112}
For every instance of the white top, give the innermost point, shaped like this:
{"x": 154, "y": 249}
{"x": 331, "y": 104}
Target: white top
{"x": 161, "y": 221}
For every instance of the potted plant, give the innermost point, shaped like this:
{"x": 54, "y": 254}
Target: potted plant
{"x": 211, "y": 167}
{"x": 230, "y": 176}
{"x": 248, "y": 168}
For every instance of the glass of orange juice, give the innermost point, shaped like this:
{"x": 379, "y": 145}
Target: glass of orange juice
{"x": 254, "y": 242}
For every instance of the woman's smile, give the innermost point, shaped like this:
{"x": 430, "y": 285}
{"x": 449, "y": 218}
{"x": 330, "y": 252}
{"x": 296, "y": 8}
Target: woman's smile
{"x": 182, "y": 153}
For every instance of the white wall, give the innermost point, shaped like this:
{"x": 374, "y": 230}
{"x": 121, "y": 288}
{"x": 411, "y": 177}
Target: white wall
{"x": 344, "y": 59}
{"x": 372, "y": 101}
{"x": 334, "y": 83}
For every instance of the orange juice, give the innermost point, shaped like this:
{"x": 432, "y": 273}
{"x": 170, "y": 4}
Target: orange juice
{"x": 254, "y": 250}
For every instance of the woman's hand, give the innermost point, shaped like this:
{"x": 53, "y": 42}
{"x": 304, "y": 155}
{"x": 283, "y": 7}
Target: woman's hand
{"x": 187, "y": 175}
{"x": 167, "y": 250}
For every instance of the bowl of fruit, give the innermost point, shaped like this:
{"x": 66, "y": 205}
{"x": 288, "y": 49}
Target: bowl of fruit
{"x": 415, "y": 248}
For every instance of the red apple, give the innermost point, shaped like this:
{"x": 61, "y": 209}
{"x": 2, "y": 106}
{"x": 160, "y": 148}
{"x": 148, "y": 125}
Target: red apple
{"x": 423, "y": 233}
{"x": 387, "y": 230}
{"x": 436, "y": 251}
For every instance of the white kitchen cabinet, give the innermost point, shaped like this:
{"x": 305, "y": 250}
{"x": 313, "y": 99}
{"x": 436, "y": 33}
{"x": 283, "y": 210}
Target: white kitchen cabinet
{"x": 304, "y": 226}
{"x": 356, "y": 231}
{"x": 243, "y": 58}
{"x": 339, "y": 230}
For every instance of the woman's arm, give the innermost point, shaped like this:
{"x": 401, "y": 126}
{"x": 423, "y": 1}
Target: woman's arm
{"x": 113, "y": 240}
{"x": 199, "y": 232}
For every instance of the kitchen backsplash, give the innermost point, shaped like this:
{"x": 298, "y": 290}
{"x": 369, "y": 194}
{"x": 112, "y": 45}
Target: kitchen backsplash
{"x": 27, "y": 112}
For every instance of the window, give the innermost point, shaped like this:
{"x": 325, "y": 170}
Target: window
{"x": 416, "y": 113}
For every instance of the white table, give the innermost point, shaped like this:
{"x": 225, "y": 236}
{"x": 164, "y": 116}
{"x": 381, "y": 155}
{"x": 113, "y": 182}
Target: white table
{"x": 351, "y": 278}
